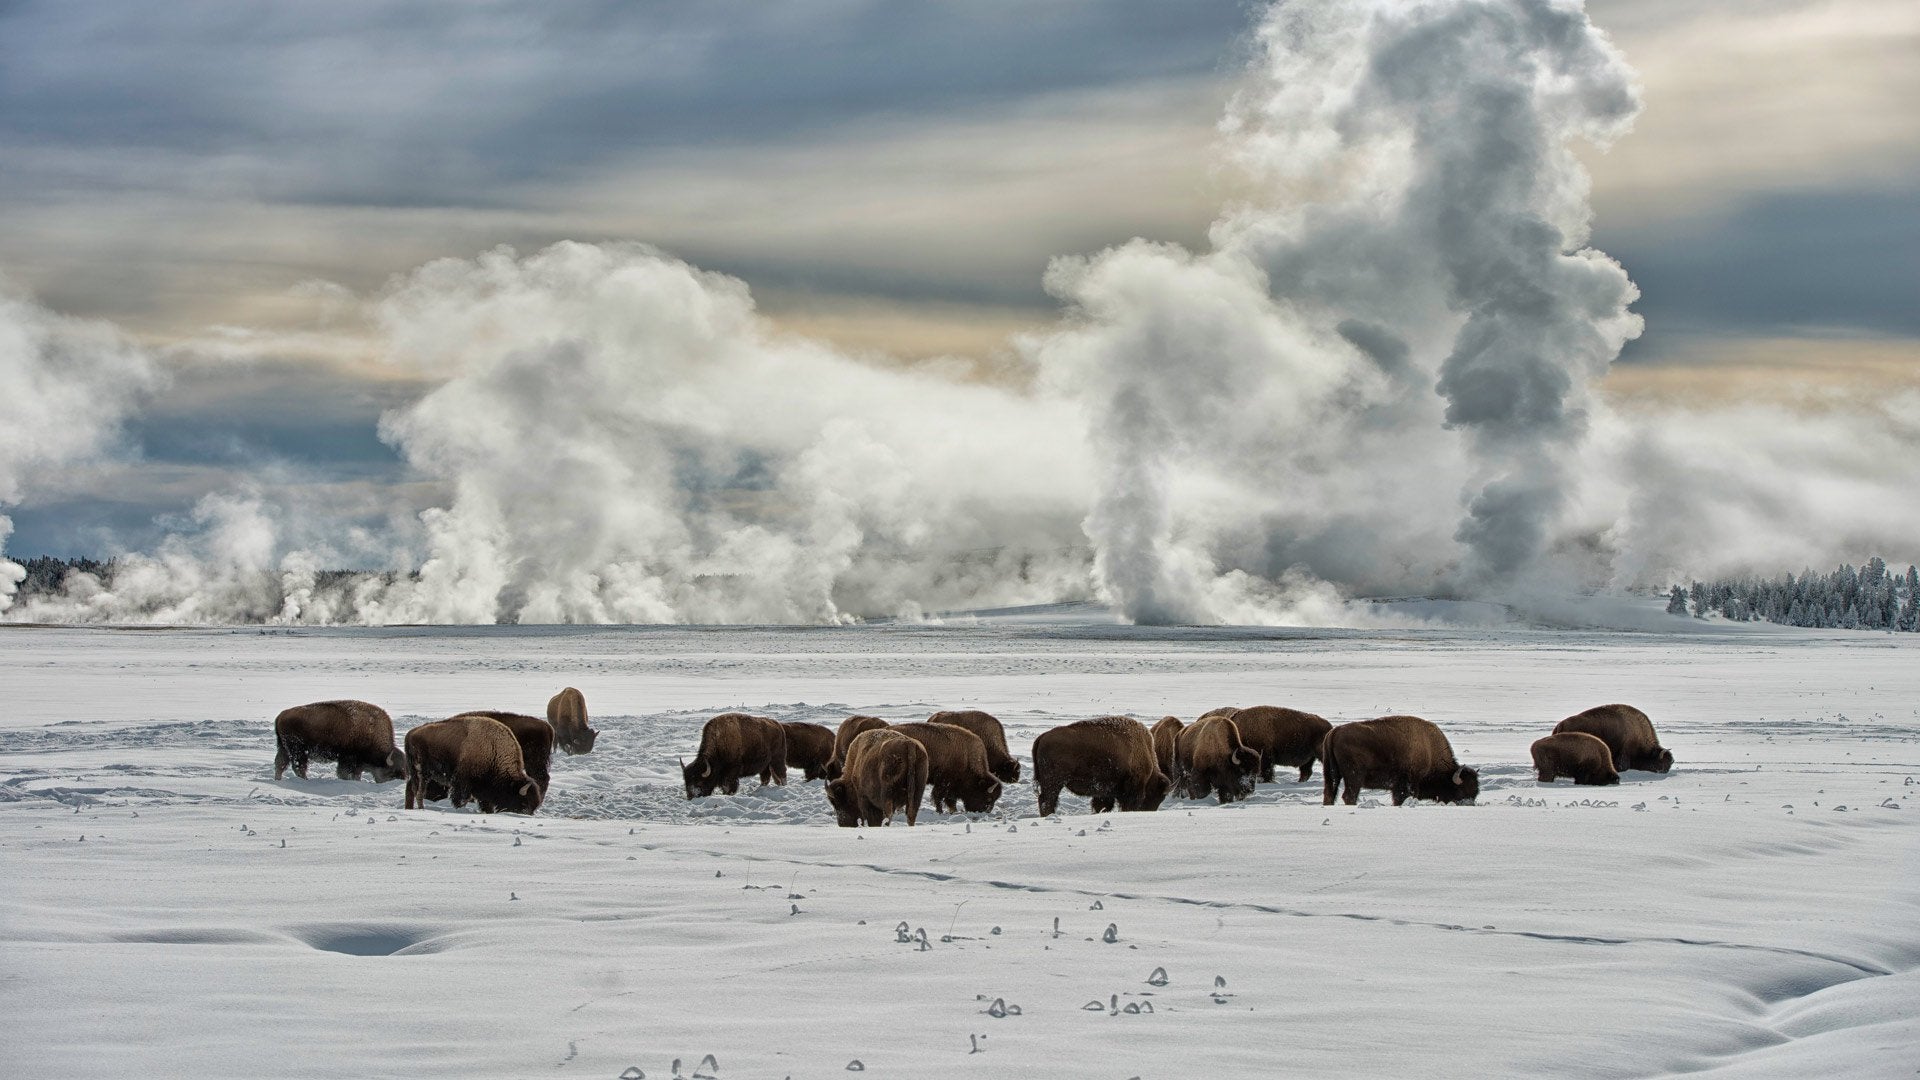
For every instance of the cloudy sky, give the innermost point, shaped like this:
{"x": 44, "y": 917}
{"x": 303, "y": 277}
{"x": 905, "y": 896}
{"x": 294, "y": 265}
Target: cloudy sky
{"x": 217, "y": 178}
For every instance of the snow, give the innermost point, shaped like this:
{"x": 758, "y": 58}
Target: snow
{"x": 167, "y": 909}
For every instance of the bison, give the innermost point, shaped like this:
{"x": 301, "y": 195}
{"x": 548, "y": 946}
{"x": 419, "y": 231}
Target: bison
{"x": 354, "y": 735}
{"x": 849, "y": 728}
{"x": 1211, "y": 757}
{"x": 1282, "y": 736}
{"x": 1577, "y": 754}
{"x": 809, "y": 746}
{"x": 1110, "y": 760}
{"x": 567, "y": 712}
{"x": 733, "y": 745}
{"x": 1404, "y": 754}
{"x": 1628, "y": 734}
{"x": 474, "y": 758}
{"x": 1166, "y": 736}
{"x": 956, "y": 767}
{"x": 536, "y": 739}
{"x": 885, "y": 771}
{"x": 1000, "y": 763}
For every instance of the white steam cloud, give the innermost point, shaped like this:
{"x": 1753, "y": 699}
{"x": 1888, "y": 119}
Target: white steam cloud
{"x": 1379, "y": 378}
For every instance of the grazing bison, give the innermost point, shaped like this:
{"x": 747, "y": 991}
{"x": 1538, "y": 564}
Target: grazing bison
{"x": 1166, "y": 736}
{"x": 1404, "y": 754}
{"x": 1000, "y": 763}
{"x": 956, "y": 767}
{"x": 473, "y": 758}
{"x": 1628, "y": 734}
{"x": 1211, "y": 757}
{"x": 354, "y": 735}
{"x": 733, "y": 745}
{"x": 536, "y": 740}
{"x": 885, "y": 771}
{"x": 851, "y": 727}
{"x": 1282, "y": 736}
{"x": 810, "y": 747}
{"x": 567, "y": 712}
{"x": 1110, "y": 760}
{"x": 1576, "y": 754}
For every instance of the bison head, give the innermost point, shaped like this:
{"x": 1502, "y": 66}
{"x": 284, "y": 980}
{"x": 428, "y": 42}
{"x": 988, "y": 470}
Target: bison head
{"x": 697, "y": 776}
{"x": 1466, "y": 785}
{"x": 1153, "y": 792}
{"x": 980, "y": 800}
{"x": 840, "y": 796}
{"x": 1663, "y": 761}
{"x": 394, "y": 768}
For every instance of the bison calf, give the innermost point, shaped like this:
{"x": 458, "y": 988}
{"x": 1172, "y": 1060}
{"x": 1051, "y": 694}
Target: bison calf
{"x": 884, "y": 771}
{"x": 354, "y": 735}
{"x": 1211, "y": 757}
{"x": 567, "y": 712}
{"x": 1628, "y": 734}
{"x": 733, "y": 745}
{"x": 1000, "y": 763}
{"x": 1109, "y": 760}
{"x": 474, "y": 758}
{"x": 1404, "y": 754}
{"x": 1576, "y": 754}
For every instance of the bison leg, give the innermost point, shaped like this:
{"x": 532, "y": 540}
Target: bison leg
{"x": 1049, "y": 798}
{"x": 279, "y": 758}
{"x": 1400, "y": 792}
{"x": 1351, "y": 796}
{"x": 1306, "y": 771}
{"x": 413, "y": 791}
{"x": 1546, "y": 775}
{"x": 1266, "y": 768}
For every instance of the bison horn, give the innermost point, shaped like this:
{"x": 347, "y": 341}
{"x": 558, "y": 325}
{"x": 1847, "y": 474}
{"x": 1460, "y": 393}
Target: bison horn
{"x": 1457, "y": 780}
{"x": 707, "y": 769}
{"x": 526, "y": 789}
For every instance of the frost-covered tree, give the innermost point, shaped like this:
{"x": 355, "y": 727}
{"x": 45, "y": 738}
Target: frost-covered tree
{"x": 1677, "y": 601}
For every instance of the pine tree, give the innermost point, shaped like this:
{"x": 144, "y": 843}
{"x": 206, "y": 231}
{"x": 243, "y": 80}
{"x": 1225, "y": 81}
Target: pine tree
{"x": 1677, "y": 601}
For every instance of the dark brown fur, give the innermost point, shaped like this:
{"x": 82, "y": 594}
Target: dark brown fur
{"x": 956, "y": 767}
{"x": 1110, "y": 760}
{"x": 851, "y": 727}
{"x": 1166, "y": 737}
{"x": 809, "y": 748}
{"x": 536, "y": 740}
{"x": 1404, "y": 754}
{"x": 1583, "y": 757}
{"x": 354, "y": 735}
{"x": 567, "y": 712}
{"x": 474, "y": 758}
{"x": 1628, "y": 734}
{"x": 733, "y": 745}
{"x": 1283, "y": 737}
{"x": 885, "y": 771}
{"x": 1003, "y": 765}
{"x": 1211, "y": 757}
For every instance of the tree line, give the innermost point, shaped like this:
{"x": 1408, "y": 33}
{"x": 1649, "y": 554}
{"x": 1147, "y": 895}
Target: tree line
{"x": 1869, "y": 597}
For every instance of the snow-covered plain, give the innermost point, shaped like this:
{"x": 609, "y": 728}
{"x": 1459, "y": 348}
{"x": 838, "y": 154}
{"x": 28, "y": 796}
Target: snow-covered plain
{"x": 167, "y": 909}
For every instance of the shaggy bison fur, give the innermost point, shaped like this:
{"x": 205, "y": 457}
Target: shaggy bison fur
{"x": 1110, "y": 760}
{"x": 733, "y": 745}
{"x": 1282, "y": 736}
{"x": 354, "y": 735}
{"x": 1404, "y": 754}
{"x": 885, "y": 771}
{"x": 1575, "y": 754}
{"x": 809, "y": 748}
{"x": 474, "y": 758}
{"x": 1166, "y": 736}
{"x": 956, "y": 767}
{"x": 1000, "y": 763}
{"x": 1211, "y": 757}
{"x": 850, "y": 728}
{"x": 567, "y": 712}
{"x": 1628, "y": 734}
{"x": 536, "y": 738}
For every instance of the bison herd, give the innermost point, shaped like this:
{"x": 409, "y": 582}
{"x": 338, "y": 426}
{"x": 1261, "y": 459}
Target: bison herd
{"x": 875, "y": 769}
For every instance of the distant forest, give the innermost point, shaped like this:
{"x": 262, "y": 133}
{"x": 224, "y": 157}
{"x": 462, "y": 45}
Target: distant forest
{"x": 1868, "y": 598}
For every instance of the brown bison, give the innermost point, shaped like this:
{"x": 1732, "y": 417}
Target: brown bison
{"x": 1000, "y": 763}
{"x": 885, "y": 771}
{"x": 956, "y": 767}
{"x": 536, "y": 740}
{"x": 733, "y": 745}
{"x": 354, "y": 735}
{"x": 1628, "y": 734}
{"x": 1576, "y": 754}
{"x": 1109, "y": 760}
{"x": 1211, "y": 757}
{"x": 1404, "y": 754}
{"x": 567, "y": 712}
{"x": 810, "y": 747}
{"x": 473, "y": 758}
{"x": 851, "y": 727}
{"x": 1166, "y": 736}
{"x": 1282, "y": 736}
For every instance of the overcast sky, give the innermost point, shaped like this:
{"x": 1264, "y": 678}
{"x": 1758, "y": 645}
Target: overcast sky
{"x": 894, "y": 177}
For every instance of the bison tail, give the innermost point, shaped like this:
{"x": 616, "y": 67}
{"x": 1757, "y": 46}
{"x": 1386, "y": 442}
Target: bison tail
{"x": 1329, "y": 773}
